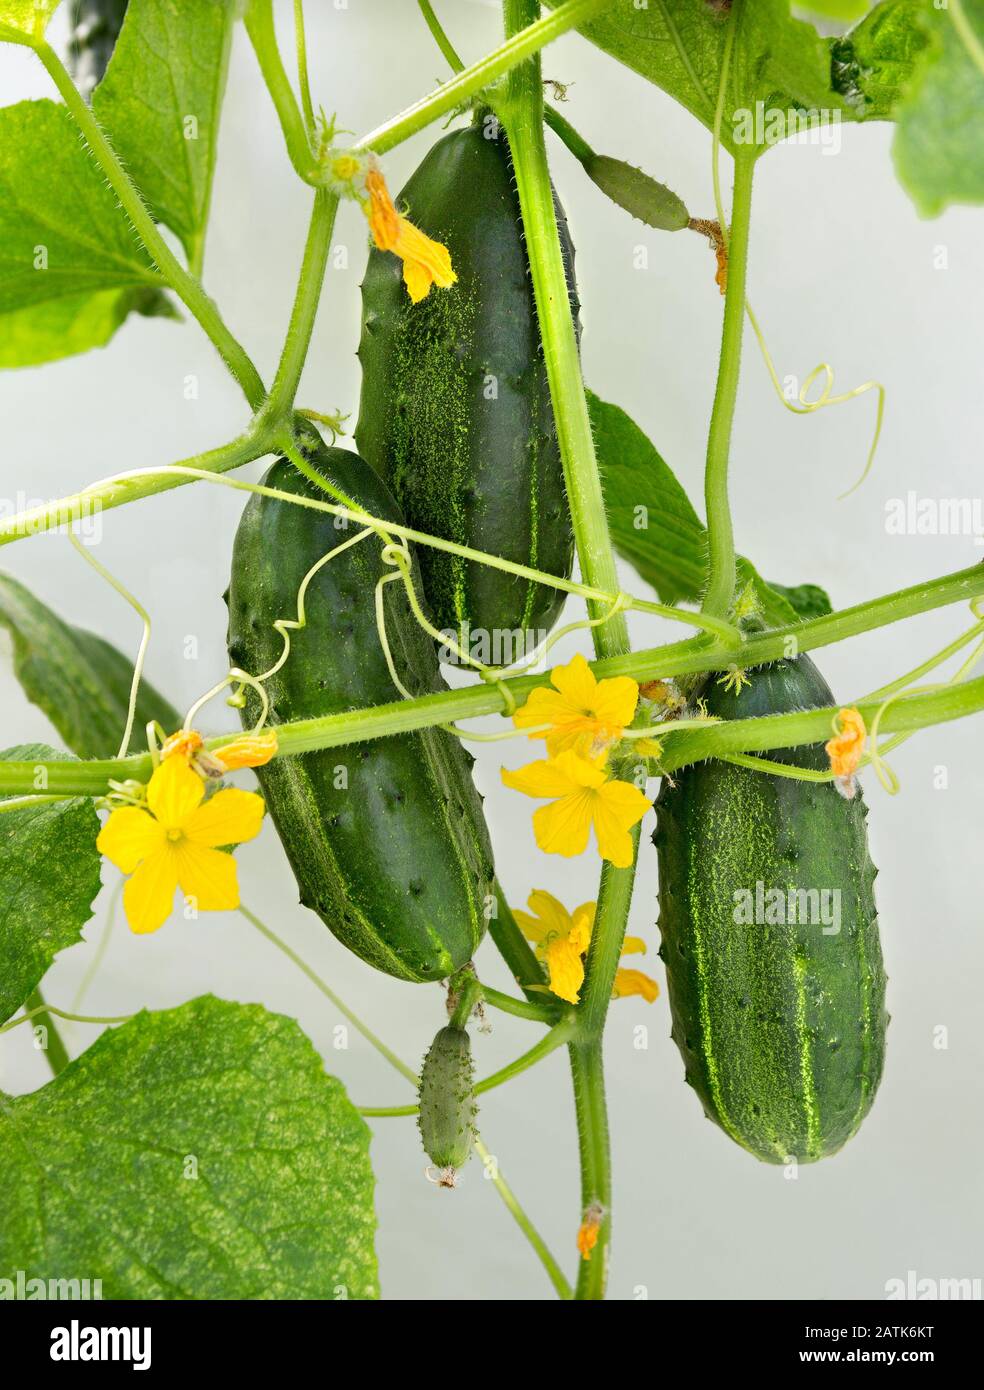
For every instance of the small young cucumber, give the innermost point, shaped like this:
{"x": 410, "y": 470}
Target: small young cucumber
{"x": 387, "y": 839}
{"x": 447, "y": 1103}
{"x": 770, "y": 937}
{"x": 455, "y": 411}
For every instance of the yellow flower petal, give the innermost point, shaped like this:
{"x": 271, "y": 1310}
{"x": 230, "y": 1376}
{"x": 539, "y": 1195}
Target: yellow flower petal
{"x": 252, "y": 750}
{"x": 174, "y": 792}
{"x": 847, "y": 745}
{"x": 633, "y": 946}
{"x": 149, "y": 895}
{"x": 563, "y": 827}
{"x": 425, "y": 261}
{"x": 566, "y": 970}
{"x": 576, "y": 682}
{"x": 546, "y": 778}
{"x": 227, "y": 818}
{"x": 550, "y": 917}
{"x": 129, "y": 836}
{"x": 616, "y": 807}
{"x": 207, "y": 876}
{"x": 634, "y": 982}
{"x": 187, "y": 742}
{"x": 582, "y": 926}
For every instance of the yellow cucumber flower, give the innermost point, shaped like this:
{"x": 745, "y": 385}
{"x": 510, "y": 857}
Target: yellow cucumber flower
{"x": 561, "y": 939}
{"x": 175, "y": 841}
{"x": 583, "y": 713}
{"x": 582, "y": 795}
{"x": 425, "y": 262}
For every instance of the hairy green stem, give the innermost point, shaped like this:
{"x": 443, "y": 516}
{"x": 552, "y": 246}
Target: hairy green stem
{"x": 554, "y": 1272}
{"x": 118, "y": 492}
{"x": 720, "y": 533}
{"x": 184, "y": 284}
{"x": 477, "y": 77}
{"x": 520, "y": 1008}
{"x": 56, "y": 1053}
{"x": 380, "y": 721}
{"x": 521, "y": 109}
{"x": 263, "y": 36}
{"x": 440, "y": 37}
{"x": 305, "y": 308}
{"x": 588, "y": 1077}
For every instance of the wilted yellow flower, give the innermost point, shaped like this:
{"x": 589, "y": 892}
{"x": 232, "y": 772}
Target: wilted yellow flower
{"x": 425, "y": 262}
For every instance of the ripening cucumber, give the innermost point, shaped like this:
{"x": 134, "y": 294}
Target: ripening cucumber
{"x": 387, "y": 838}
{"x": 446, "y": 1116}
{"x": 455, "y": 409}
{"x": 770, "y": 936}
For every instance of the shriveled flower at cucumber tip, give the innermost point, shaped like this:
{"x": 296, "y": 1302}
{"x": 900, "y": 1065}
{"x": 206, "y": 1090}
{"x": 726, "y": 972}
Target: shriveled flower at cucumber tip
{"x": 561, "y": 940}
{"x": 174, "y": 841}
{"x": 846, "y": 749}
{"x": 425, "y": 262}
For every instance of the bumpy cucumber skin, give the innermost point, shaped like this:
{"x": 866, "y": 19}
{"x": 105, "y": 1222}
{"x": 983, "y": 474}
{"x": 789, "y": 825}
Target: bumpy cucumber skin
{"x": 447, "y": 1102}
{"x": 781, "y": 1028}
{"x": 398, "y": 865}
{"x": 482, "y": 472}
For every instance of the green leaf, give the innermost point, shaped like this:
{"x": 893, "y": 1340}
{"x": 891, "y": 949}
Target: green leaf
{"x": 679, "y": 45}
{"x": 654, "y": 526}
{"x": 198, "y": 1153}
{"x": 939, "y": 143}
{"x": 49, "y": 877}
{"x": 873, "y": 64}
{"x": 161, "y": 100}
{"x": 80, "y": 681}
{"x": 24, "y": 20}
{"x": 806, "y": 600}
{"x": 62, "y": 235}
{"x": 62, "y": 327}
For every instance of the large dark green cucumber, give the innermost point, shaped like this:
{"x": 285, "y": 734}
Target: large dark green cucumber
{"x": 455, "y": 411}
{"x": 387, "y": 839}
{"x": 781, "y": 1023}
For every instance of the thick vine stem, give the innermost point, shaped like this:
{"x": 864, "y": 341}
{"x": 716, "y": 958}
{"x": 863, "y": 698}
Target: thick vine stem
{"x": 56, "y": 1054}
{"x": 720, "y": 533}
{"x": 172, "y": 272}
{"x": 262, "y": 35}
{"x": 480, "y": 76}
{"x": 521, "y": 109}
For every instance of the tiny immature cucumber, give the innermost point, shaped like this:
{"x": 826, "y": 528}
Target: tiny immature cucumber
{"x": 455, "y": 409}
{"x": 446, "y": 1116}
{"x": 770, "y": 936}
{"x": 387, "y": 839}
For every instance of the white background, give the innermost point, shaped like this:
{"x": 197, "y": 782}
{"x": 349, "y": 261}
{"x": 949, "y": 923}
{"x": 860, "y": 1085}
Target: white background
{"x": 841, "y": 270}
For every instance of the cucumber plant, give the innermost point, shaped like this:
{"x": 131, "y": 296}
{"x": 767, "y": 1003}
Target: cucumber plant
{"x": 486, "y": 469}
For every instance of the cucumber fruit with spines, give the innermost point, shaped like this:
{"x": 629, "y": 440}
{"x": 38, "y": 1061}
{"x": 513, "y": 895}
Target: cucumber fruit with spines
{"x": 781, "y": 1024}
{"x": 455, "y": 409}
{"x": 387, "y": 838}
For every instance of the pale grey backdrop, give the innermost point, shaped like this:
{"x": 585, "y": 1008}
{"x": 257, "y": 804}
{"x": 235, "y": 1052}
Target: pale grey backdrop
{"x": 842, "y": 270}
